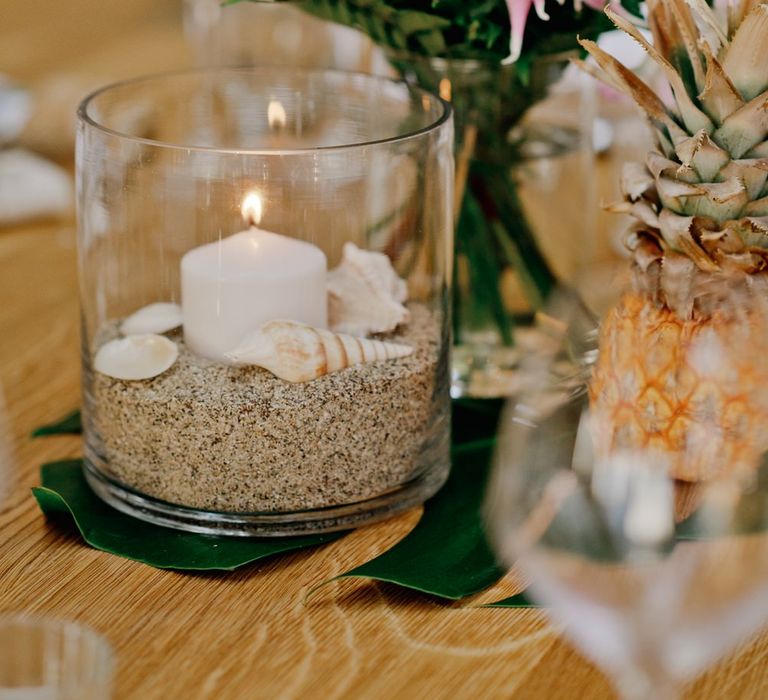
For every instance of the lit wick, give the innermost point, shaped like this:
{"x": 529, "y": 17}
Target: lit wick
{"x": 252, "y": 209}
{"x": 444, "y": 89}
{"x": 276, "y": 116}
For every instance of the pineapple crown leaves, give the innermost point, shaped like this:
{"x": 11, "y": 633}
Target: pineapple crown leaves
{"x": 703, "y": 194}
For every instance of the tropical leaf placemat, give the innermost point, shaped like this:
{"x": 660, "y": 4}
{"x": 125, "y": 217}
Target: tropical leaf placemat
{"x": 446, "y": 554}
{"x": 64, "y": 490}
{"x": 69, "y": 425}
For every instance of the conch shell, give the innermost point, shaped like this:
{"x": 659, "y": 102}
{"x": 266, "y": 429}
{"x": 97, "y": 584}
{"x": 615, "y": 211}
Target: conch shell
{"x": 298, "y": 353}
{"x": 365, "y": 294}
{"x": 136, "y": 357}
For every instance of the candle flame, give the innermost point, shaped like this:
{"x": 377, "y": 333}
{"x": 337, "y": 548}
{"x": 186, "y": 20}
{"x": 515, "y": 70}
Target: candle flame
{"x": 252, "y": 208}
{"x": 445, "y": 89}
{"x": 276, "y": 116}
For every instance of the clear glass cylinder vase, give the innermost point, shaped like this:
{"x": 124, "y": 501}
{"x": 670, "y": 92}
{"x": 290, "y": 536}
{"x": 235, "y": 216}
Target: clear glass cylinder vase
{"x": 525, "y": 203}
{"x": 265, "y": 261}
{"x": 274, "y": 33}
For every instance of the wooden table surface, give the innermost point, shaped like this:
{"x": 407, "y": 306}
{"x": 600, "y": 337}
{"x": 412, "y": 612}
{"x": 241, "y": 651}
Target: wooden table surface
{"x": 246, "y": 634}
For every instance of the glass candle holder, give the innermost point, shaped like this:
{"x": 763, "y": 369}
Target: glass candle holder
{"x": 265, "y": 261}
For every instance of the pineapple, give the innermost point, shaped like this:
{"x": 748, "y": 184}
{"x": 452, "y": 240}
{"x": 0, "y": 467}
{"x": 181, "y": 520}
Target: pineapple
{"x": 682, "y": 365}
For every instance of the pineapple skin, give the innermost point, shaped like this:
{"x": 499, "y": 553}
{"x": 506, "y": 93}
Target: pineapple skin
{"x": 682, "y": 361}
{"x": 686, "y": 389}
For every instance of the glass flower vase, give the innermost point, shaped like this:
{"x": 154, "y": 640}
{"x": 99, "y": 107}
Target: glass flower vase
{"x": 265, "y": 260}
{"x": 274, "y": 34}
{"x": 524, "y": 203}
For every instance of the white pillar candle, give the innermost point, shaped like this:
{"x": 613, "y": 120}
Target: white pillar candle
{"x": 231, "y": 287}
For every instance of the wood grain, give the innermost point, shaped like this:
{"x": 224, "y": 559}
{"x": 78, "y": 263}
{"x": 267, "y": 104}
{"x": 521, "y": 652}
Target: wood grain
{"x": 247, "y": 634}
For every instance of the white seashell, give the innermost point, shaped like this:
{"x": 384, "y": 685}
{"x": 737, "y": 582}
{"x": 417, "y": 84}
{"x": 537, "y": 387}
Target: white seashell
{"x": 15, "y": 110}
{"x": 298, "y": 353}
{"x": 32, "y": 187}
{"x": 136, "y": 357}
{"x": 365, "y": 294}
{"x": 155, "y": 318}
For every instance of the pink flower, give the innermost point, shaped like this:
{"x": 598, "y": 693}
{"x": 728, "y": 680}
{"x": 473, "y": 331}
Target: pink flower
{"x": 518, "y": 16}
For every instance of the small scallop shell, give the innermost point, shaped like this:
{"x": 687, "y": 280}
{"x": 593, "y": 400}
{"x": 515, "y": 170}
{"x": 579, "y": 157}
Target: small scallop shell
{"x": 155, "y": 318}
{"x": 365, "y": 294}
{"x": 136, "y": 357}
{"x": 298, "y": 353}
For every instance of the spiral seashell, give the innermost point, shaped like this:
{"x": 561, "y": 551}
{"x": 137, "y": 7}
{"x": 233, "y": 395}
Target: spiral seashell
{"x": 365, "y": 294}
{"x": 298, "y": 353}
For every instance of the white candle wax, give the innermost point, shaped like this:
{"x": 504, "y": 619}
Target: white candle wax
{"x": 229, "y": 288}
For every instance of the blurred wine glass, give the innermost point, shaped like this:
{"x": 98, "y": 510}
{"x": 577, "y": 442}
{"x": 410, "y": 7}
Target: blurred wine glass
{"x": 50, "y": 659}
{"x": 653, "y": 577}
